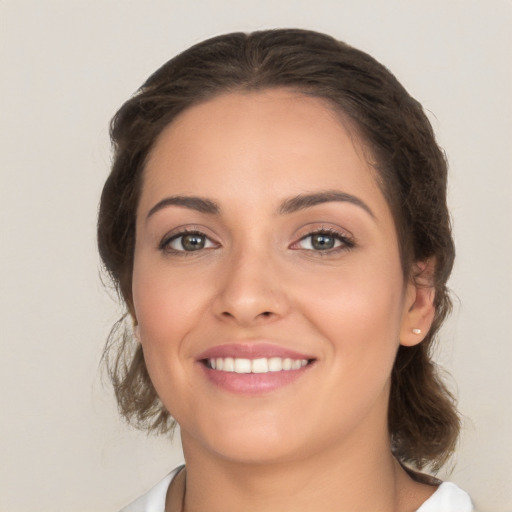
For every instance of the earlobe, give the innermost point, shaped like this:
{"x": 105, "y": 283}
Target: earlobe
{"x": 136, "y": 332}
{"x": 419, "y": 309}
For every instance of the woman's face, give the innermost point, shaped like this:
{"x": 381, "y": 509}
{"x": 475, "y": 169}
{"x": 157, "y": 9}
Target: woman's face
{"x": 267, "y": 281}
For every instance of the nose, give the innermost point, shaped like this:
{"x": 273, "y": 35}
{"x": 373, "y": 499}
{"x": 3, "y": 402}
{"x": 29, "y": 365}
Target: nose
{"x": 251, "y": 291}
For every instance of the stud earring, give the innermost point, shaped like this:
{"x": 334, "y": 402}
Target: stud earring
{"x": 416, "y": 331}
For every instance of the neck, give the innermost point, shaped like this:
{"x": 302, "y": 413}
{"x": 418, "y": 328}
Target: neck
{"x": 351, "y": 478}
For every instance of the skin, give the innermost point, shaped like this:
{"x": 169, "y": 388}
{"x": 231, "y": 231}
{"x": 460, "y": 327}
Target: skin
{"x": 321, "y": 442}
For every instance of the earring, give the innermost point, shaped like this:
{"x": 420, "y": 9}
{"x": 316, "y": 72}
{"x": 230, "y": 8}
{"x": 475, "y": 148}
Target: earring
{"x": 416, "y": 331}
{"x": 136, "y": 332}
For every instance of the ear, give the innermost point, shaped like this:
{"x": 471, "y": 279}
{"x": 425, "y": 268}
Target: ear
{"x": 419, "y": 310}
{"x": 136, "y": 329}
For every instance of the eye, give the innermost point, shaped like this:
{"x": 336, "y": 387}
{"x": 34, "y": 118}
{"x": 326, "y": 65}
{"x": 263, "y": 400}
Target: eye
{"x": 189, "y": 241}
{"x": 324, "y": 241}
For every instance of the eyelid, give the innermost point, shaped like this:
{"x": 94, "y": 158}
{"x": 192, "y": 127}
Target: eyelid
{"x": 346, "y": 239}
{"x": 180, "y": 232}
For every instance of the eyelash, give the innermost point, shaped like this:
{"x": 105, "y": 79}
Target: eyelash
{"x": 165, "y": 243}
{"x": 346, "y": 244}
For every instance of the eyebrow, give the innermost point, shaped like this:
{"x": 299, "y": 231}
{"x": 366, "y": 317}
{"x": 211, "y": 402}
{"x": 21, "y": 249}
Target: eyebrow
{"x": 199, "y": 204}
{"x": 291, "y": 205}
{"x": 303, "y": 201}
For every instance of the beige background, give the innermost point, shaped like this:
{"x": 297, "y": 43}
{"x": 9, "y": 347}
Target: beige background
{"x": 65, "y": 66}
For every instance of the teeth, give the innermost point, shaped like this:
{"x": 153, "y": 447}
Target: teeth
{"x": 229, "y": 364}
{"x": 242, "y": 365}
{"x": 261, "y": 365}
{"x": 296, "y": 365}
{"x": 275, "y": 364}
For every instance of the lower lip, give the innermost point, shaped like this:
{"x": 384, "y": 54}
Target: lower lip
{"x": 253, "y": 383}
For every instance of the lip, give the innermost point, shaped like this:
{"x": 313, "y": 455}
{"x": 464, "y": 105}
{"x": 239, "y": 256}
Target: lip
{"x": 252, "y": 383}
{"x": 251, "y": 351}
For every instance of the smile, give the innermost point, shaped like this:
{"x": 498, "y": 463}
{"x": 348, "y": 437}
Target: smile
{"x": 260, "y": 365}
{"x": 253, "y": 368}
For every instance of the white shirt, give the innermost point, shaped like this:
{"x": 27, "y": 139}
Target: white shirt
{"x": 447, "y": 498}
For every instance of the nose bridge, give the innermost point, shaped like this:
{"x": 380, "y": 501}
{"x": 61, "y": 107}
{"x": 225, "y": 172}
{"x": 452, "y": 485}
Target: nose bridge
{"x": 251, "y": 289}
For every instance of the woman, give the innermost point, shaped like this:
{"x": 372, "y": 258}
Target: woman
{"x": 276, "y": 223}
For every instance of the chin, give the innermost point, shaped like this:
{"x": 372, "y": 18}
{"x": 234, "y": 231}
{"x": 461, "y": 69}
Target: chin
{"x": 248, "y": 442}
{"x": 257, "y": 450}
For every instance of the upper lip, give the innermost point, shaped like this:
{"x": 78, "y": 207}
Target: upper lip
{"x": 251, "y": 351}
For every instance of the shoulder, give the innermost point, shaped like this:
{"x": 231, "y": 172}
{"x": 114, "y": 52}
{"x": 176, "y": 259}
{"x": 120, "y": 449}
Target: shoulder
{"x": 448, "y": 498}
{"x": 154, "y": 499}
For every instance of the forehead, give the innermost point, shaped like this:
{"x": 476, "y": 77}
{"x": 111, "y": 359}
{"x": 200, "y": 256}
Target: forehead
{"x": 270, "y": 143}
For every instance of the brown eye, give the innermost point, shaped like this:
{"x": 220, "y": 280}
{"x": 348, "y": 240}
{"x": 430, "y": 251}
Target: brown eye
{"x": 187, "y": 242}
{"x": 193, "y": 242}
{"x": 322, "y": 241}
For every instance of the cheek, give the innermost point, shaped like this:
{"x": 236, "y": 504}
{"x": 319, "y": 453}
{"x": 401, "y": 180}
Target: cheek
{"x": 164, "y": 303}
{"x": 160, "y": 320}
{"x": 170, "y": 307}
{"x": 359, "y": 310}
{"x": 165, "y": 310}
{"x": 360, "y": 319}
{"x": 362, "y": 299}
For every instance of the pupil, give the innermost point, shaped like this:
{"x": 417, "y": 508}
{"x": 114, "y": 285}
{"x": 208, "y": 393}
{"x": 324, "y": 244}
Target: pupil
{"x": 323, "y": 242}
{"x": 192, "y": 242}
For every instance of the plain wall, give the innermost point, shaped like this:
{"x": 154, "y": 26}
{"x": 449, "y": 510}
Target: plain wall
{"x": 65, "y": 67}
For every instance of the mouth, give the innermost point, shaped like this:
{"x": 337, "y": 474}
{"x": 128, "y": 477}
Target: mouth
{"x": 253, "y": 368}
{"x": 259, "y": 365}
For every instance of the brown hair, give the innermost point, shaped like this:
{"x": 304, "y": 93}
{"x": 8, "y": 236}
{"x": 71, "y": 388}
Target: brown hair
{"x": 410, "y": 167}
